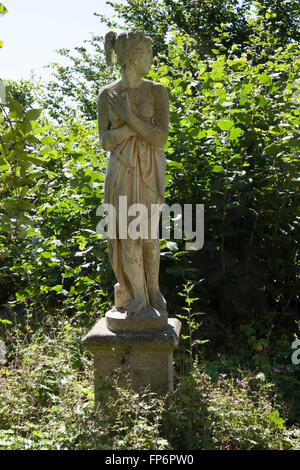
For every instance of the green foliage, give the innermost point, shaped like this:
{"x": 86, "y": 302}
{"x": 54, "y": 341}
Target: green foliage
{"x": 3, "y": 10}
{"x": 47, "y": 401}
{"x": 203, "y": 20}
{"x": 223, "y": 414}
{"x": 56, "y": 258}
{"x": 52, "y": 406}
{"x": 23, "y": 91}
{"x": 191, "y": 323}
{"x": 216, "y": 26}
{"x": 79, "y": 82}
{"x": 233, "y": 147}
{"x": 197, "y": 19}
{"x": 281, "y": 19}
{"x": 17, "y": 156}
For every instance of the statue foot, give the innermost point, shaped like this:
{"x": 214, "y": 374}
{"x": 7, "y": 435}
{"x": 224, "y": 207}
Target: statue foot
{"x": 136, "y": 306}
{"x": 157, "y": 300}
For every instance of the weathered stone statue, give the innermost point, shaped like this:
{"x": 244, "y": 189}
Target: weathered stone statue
{"x": 133, "y": 118}
{"x": 133, "y": 125}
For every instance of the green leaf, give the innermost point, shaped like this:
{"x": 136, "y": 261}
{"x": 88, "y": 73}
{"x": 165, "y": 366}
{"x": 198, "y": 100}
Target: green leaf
{"x": 36, "y": 161}
{"x": 272, "y": 149}
{"x": 234, "y": 133}
{"x": 225, "y": 124}
{"x": 265, "y": 79}
{"x": 33, "y": 114}
{"x": 20, "y": 296}
{"x": 3, "y": 10}
{"x": 217, "y": 168}
{"x": 173, "y": 164}
{"x": 201, "y": 134}
{"x": 202, "y": 69}
{"x": 57, "y": 288}
{"x": 5, "y": 322}
{"x": 164, "y": 81}
{"x": 201, "y": 341}
{"x": 47, "y": 140}
{"x": 262, "y": 101}
{"x": 15, "y": 108}
{"x": 46, "y": 254}
{"x": 162, "y": 243}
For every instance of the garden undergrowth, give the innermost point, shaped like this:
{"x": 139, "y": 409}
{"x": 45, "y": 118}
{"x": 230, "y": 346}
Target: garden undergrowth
{"x": 47, "y": 400}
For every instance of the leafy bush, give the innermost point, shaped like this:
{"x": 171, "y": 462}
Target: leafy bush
{"x": 48, "y": 242}
{"x": 233, "y": 147}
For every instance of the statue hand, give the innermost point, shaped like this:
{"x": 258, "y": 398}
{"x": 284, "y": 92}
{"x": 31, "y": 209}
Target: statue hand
{"x": 119, "y": 105}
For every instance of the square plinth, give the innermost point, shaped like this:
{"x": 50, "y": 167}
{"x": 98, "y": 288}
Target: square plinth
{"x": 146, "y": 357}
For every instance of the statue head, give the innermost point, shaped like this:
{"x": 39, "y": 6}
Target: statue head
{"x": 133, "y": 49}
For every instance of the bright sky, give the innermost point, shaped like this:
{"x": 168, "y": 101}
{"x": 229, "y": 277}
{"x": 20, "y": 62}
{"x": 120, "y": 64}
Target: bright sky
{"x": 33, "y": 29}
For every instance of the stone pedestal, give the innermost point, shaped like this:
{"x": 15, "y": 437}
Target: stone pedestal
{"x": 140, "y": 347}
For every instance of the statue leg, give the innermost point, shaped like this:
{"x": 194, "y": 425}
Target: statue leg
{"x": 151, "y": 257}
{"x": 151, "y": 254}
{"x": 132, "y": 257}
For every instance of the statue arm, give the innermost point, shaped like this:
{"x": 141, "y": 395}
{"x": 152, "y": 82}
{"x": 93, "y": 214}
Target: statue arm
{"x": 109, "y": 138}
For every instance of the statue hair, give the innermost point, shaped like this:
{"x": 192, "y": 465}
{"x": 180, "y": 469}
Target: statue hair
{"x": 109, "y": 44}
{"x": 124, "y": 45}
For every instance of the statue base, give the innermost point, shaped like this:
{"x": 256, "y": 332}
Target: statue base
{"x": 139, "y": 348}
{"x": 147, "y": 321}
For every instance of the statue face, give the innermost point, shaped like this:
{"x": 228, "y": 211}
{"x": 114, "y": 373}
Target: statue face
{"x": 144, "y": 60}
